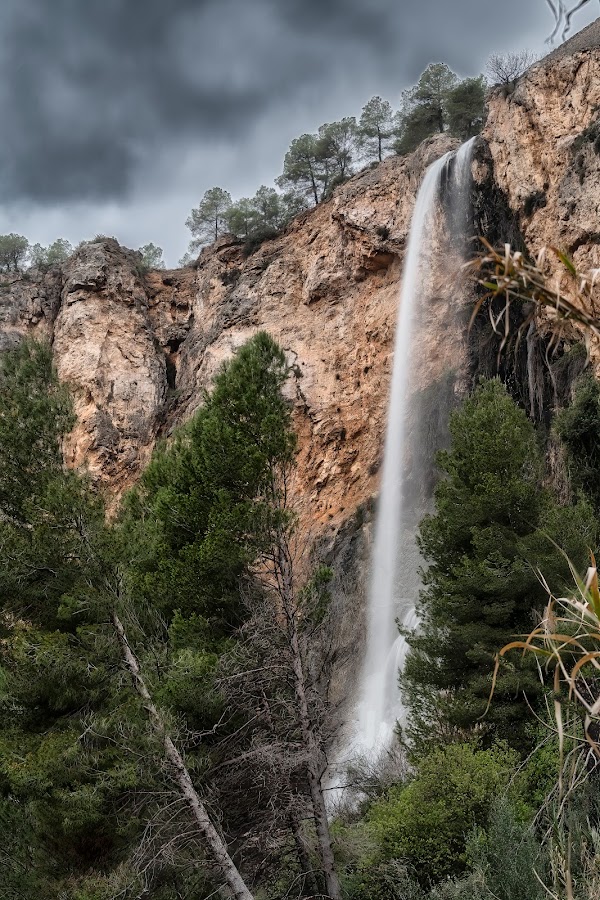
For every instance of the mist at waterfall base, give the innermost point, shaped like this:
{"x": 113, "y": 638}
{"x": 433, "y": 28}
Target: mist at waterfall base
{"x": 409, "y": 456}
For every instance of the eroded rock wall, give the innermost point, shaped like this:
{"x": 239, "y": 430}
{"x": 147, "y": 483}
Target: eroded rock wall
{"x": 138, "y": 349}
{"x": 544, "y": 143}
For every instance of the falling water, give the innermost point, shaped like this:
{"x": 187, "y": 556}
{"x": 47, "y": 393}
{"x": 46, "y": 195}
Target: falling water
{"x": 410, "y": 445}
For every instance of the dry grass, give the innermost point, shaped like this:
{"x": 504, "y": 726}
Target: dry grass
{"x": 567, "y": 643}
{"x": 509, "y": 276}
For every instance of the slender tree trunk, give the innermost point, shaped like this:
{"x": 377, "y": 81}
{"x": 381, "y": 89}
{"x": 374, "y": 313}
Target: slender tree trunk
{"x": 314, "y": 187}
{"x": 181, "y": 775}
{"x": 303, "y": 854}
{"x": 314, "y": 752}
{"x": 379, "y": 144}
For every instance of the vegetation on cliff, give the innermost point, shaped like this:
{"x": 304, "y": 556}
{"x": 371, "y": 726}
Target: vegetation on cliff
{"x": 316, "y": 163}
{"x": 191, "y": 602}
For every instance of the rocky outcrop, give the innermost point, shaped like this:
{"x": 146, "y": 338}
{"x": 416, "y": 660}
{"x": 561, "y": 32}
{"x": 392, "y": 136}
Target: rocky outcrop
{"x": 106, "y": 349}
{"x": 29, "y": 304}
{"x": 544, "y": 142}
{"x": 138, "y": 348}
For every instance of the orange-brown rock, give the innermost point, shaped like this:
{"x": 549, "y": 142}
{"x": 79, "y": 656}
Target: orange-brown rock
{"x": 544, "y": 140}
{"x": 137, "y": 350}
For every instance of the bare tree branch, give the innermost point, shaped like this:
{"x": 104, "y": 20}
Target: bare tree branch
{"x": 563, "y": 14}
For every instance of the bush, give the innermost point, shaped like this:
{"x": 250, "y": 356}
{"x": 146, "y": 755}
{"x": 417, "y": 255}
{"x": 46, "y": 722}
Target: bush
{"x": 426, "y": 822}
{"x": 386, "y": 881}
{"x": 504, "y": 859}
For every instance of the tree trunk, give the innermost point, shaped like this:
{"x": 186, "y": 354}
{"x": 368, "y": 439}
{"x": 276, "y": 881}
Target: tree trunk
{"x": 181, "y": 776}
{"x": 303, "y": 855}
{"x": 286, "y": 588}
{"x": 379, "y": 144}
{"x": 313, "y": 183}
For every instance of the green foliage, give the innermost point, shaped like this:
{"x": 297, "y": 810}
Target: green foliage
{"x": 13, "y": 252}
{"x": 242, "y": 218}
{"x": 264, "y": 215}
{"x": 209, "y": 219}
{"x": 35, "y": 413}
{"x": 425, "y": 107}
{"x": 416, "y": 123}
{"x": 388, "y": 880}
{"x": 152, "y": 257}
{"x": 465, "y": 108}
{"x": 375, "y": 128}
{"x": 51, "y": 257}
{"x": 63, "y": 720}
{"x": 503, "y": 858}
{"x": 484, "y": 545}
{"x": 316, "y": 163}
{"x": 270, "y": 209}
{"x": 315, "y": 597}
{"x": 202, "y": 512}
{"x": 426, "y": 823}
{"x": 338, "y": 142}
{"x": 578, "y": 427}
{"x": 304, "y": 167}
{"x": 440, "y": 102}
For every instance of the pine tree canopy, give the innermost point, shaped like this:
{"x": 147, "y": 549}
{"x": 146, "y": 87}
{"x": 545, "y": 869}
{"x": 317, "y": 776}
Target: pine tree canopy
{"x": 489, "y": 537}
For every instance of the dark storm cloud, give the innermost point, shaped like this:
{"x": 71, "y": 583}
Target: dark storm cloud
{"x": 97, "y": 94}
{"x": 90, "y": 89}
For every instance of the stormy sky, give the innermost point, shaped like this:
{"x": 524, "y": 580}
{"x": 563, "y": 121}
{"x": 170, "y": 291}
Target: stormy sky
{"x": 117, "y": 115}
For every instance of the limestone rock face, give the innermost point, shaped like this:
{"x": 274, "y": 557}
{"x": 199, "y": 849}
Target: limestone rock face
{"x": 106, "y": 350}
{"x": 544, "y": 139}
{"x": 138, "y": 349}
{"x": 28, "y": 305}
{"x": 327, "y": 290}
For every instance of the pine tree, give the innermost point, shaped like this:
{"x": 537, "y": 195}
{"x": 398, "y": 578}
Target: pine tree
{"x": 578, "y": 428}
{"x": 425, "y": 110}
{"x": 152, "y": 257}
{"x": 483, "y": 547}
{"x": 375, "y": 127}
{"x": 197, "y": 520}
{"x": 212, "y": 540}
{"x": 60, "y": 710}
{"x": 337, "y": 145}
{"x": 209, "y": 219}
{"x": 76, "y": 749}
{"x": 51, "y": 257}
{"x": 465, "y": 107}
{"x": 13, "y": 252}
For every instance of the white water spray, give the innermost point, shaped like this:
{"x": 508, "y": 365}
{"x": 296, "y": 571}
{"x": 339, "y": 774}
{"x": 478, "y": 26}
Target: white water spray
{"x": 410, "y": 447}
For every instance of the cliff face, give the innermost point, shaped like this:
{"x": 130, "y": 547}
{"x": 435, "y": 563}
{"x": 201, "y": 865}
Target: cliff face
{"x": 137, "y": 349}
{"x": 544, "y": 140}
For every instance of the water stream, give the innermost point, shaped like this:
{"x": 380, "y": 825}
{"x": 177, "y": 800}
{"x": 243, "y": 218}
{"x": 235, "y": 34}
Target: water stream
{"x": 417, "y": 426}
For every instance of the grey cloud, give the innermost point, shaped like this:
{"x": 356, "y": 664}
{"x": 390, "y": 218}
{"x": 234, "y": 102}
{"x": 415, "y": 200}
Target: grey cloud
{"x": 90, "y": 87}
{"x": 108, "y": 107}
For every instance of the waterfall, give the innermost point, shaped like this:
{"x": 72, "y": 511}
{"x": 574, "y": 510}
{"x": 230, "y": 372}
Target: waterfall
{"x": 417, "y": 423}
